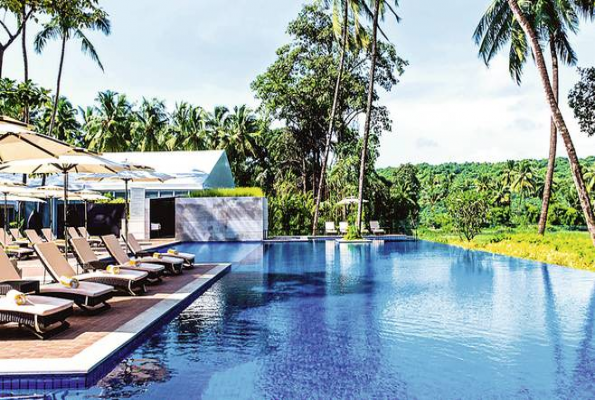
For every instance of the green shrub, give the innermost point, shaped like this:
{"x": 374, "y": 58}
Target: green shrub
{"x": 353, "y": 233}
{"x": 236, "y": 192}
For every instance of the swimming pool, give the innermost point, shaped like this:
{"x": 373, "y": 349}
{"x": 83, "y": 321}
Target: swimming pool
{"x": 392, "y": 320}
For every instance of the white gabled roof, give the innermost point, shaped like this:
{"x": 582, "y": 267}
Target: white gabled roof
{"x": 172, "y": 162}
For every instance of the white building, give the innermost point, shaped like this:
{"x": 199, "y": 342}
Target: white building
{"x": 191, "y": 170}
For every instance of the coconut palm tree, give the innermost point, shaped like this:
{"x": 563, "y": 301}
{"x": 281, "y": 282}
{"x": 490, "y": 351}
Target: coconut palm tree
{"x": 379, "y": 9}
{"x": 523, "y": 181}
{"x": 341, "y": 27}
{"x": 109, "y": 123}
{"x": 188, "y": 128}
{"x": 523, "y": 18}
{"x": 70, "y": 22}
{"x": 552, "y": 20}
{"x": 150, "y": 126}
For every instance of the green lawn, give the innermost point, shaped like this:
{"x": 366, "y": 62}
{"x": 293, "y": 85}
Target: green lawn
{"x": 570, "y": 249}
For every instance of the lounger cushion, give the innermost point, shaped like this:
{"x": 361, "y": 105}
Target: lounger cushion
{"x": 39, "y": 305}
{"x": 185, "y": 256}
{"x": 144, "y": 267}
{"x": 89, "y": 289}
{"x": 164, "y": 259}
{"x": 125, "y": 274}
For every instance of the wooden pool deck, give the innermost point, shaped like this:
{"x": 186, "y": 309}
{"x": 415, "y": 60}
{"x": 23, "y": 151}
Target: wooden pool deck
{"x": 74, "y": 357}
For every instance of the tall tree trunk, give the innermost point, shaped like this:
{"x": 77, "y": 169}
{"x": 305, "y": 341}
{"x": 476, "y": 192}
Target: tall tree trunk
{"x": 25, "y": 59}
{"x": 24, "y": 45}
{"x": 2, "y": 50}
{"x": 575, "y": 166}
{"x": 551, "y": 165}
{"x": 329, "y": 134}
{"x": 364, "y": 156}
{"x": 59, "y": 81}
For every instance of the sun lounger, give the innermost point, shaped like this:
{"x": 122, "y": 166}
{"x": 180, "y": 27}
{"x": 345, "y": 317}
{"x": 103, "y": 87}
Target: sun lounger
{"x": 376, "y": 229}
{"x": 94, "y": 241}
{"x": 34, "y": 238}
{"x": 12, "y": 248}
{"x": 330, "y": 228}
{"x": 112, "y": 244}
{"x": 343, "y": 227}
{"x": 93, "y": 291}
{"x": 38, "y": 313}
{"x": 10, "y": 279}
{"x": 137, "y": 251}
{"x": 73, "y": 233}
{"x": 115, "y": 250}
{"x": 18, "y": 238}
{"x": 49, "y": 236}
{"x": 92, "y": 265}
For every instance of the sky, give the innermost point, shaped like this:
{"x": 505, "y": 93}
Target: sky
{"x": 448, "y": 106}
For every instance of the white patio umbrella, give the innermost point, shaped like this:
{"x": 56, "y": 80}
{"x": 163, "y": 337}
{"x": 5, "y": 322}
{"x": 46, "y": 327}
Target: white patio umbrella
{"x": 140, "y": 174}
{"x": 86, "y": 196}
{"x": 19, "y": 142}
{"x": 53, "y": 192}
{"x": 77, "y": 161}
{"x": 349, "y": 200}
{"x": 14, "y": 191}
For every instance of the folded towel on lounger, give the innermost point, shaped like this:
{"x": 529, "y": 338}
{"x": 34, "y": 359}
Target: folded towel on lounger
{"x": 69, "y": 282}
{"x": 20, "y": 299}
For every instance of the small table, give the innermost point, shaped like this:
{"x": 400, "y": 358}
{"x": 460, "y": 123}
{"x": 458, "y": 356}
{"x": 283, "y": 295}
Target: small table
{"x": 23, "y": 286}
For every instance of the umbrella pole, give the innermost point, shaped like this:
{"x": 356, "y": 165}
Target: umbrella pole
{"x": 5, "y": 215}
{"x": 86, "y": 216}
{"x": 126, "y": 210}
{"x": 66, "y": 214}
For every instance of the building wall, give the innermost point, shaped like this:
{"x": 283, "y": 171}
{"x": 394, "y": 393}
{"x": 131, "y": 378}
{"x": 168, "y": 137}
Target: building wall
{"x": 221, "y": 219}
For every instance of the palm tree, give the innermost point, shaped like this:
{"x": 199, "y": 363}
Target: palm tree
{"x": 150, "y": 126}
{"x": 22, "y": 14}
{"x": 342, "y": 33}
{"x": 575, "y": 167}
{"x": 380, "y": 7}
{"x": 70, "y": 22}
{"x": 216, "y": 127}
{"x": 188, "y": 128}
{"x": 523, "y": 181}
{"x": 109, "y": 123}
{"x": 552, "y": 19}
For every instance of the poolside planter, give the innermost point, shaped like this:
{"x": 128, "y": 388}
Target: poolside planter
{"x": 212, "y": 219}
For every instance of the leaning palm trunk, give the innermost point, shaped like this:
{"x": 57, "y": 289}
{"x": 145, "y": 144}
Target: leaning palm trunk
{"x": 362, "y": 170}
{"x": 575, "y": 166}
{"x": 329, "y": 134}
{"x": 551, "y": 165}
{"x": 57, "y": 98}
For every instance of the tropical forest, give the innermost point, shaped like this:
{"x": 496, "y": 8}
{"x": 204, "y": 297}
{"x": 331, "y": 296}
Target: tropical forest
{"x": 314, "y": 138}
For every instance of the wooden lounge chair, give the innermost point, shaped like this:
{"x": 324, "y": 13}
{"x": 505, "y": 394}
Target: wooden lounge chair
{"x": 172, "y": 265}
{"x": 18, "y": 238}
{"x": 49, "y": 236}
{"x": 131, "y": 279}
{"x": 115, "y": 250}
{"x": 91, "y": 295}
{"x": 376, "y": 229}
{"x": 330, "y": 228}
{"x": 12, "y": 248}
{"x": 73, "y": 233}
{"x": 10, "y": 279}
{"x": 38, "y": 315}
{"x": 93, "y": 240}
{"x": 137, "y": 251}
{"x": 343, "y": 227}
{"x": 34, "y": 238}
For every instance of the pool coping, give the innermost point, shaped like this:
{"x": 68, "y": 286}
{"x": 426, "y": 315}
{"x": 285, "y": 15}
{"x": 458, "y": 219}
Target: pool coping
{"x": 89, "y": 359}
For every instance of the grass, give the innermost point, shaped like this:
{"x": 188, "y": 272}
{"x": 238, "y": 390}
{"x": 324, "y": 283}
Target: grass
{"x": 566, "y": 248}
{"x": 237, "y": 192}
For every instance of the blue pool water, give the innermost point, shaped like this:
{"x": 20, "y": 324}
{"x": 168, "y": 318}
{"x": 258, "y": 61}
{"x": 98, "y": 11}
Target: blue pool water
{"x": 394, "y": 320}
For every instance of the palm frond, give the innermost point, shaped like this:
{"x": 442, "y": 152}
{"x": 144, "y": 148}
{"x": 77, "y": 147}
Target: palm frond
{"x": 88, "y": 48}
